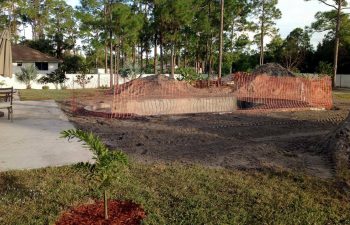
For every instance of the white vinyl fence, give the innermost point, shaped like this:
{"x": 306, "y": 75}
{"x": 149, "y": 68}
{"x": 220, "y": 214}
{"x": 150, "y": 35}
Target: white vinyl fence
{"x": 343, "y": 80}
{"x": 97, "y": 80}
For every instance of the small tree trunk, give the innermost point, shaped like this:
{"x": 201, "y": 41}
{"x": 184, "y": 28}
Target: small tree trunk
{"x": 336, "y": 46}
{"x": 105, "y": 201}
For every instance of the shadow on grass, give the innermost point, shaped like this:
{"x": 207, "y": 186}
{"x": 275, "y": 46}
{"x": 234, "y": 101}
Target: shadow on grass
{"x": 11, "y": 185}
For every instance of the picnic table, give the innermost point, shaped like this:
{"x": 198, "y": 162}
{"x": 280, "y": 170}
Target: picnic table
{"x": 6, "y": 95}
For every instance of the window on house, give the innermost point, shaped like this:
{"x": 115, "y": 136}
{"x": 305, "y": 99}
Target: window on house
{"x": 42, "y": 65}
{"x": 19, "y": 64}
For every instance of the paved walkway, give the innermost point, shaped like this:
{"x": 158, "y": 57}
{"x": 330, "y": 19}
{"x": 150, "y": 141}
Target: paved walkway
{"x": 33, "y": 139}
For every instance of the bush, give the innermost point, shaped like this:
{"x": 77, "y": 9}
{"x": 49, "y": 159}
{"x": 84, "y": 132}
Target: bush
{"x": 130, "y": 71}
{"x": 45, "y": 87}
{"x": 188, "y": 75}
{"x": 57, "y": 77}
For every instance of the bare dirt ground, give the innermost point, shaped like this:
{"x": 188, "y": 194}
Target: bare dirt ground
{"x": 282, "y": 140}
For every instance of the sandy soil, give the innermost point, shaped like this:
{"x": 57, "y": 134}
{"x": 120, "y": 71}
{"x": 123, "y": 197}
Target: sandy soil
{"x": 281, "y": 140}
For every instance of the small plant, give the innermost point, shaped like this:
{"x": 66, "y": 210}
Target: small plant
{"x": 27, "y": 75}
{"x": 83, "y": 79}
{"x": 45, "y": 87}
{"x": 57, "y": 77}
{"x": 108, "y": 164}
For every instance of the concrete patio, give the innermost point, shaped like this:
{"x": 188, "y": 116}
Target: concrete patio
{"x": 33, "y": 139}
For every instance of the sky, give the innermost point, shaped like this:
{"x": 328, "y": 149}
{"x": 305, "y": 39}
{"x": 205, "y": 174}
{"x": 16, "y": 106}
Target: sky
{"x": 295, "y": 13}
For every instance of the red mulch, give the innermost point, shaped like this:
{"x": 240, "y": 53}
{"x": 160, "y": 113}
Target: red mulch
{"x": 120, "y": 213}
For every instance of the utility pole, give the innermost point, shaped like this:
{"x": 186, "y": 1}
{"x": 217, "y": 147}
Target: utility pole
{"x": 221, "y": 41}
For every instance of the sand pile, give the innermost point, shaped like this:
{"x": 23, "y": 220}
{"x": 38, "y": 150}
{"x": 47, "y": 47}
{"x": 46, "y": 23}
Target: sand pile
{"x": 162, "y": 86}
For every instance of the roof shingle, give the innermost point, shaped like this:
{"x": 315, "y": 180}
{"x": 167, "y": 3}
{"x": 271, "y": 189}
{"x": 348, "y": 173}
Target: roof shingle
{"x": 22, "y": 53}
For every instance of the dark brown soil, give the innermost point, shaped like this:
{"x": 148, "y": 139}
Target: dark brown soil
{"x": 280, "y": 140}
{"x": 120, "y": 213}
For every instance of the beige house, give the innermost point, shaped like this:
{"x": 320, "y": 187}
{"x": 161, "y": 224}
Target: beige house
{"x": 23, "y": 56}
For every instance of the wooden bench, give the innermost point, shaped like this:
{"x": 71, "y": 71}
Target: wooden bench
{"x": 6, "y": 99}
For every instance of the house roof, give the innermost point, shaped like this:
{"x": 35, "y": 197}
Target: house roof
{"x": 22, "y": 53}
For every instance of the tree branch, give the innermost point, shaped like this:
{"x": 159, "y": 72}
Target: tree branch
{"x": 326, "y": 3}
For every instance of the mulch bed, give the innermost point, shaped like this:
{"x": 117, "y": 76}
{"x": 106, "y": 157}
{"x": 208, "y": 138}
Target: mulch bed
{"x": 120, "y": 213}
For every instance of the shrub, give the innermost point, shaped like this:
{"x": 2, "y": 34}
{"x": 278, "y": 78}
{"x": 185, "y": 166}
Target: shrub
{"x": 57, "y": 77}
{"x": 130, "y": 71}
{"x": 104, "y": 87}
{"x": 108, "y": 164}
{"x": 83, "y": 79}
{"x": 325, "y": 68}
{"x": 27, "y": 75}
{"x": 189, "y": 75}
{"x": 45, "y": 87}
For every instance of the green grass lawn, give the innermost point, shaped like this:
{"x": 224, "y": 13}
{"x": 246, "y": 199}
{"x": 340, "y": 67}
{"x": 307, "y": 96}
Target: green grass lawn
{"x": 176, "y": 194}
{"x": 58, "y": 95}
{"x": 342, "y": 94}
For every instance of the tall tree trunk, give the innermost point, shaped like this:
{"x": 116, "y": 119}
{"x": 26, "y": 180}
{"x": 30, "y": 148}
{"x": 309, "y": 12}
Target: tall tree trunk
{"x": 133, "y": 57}
{"x": 161, "y": 55}
{"x": 118, "y": 62}
{"x": 115, "y": 66}
{"x": 155, "y": 55}
{"x": 336, "y": 45}
{"x": 147, "y": 59}
{"x": 210, "y": 63}
{"x": 221, "y": 41}
{"x": 36, "y": 6}
{"x": 172, "y": 62}
{"x": 111, "y": 59}
{"x": 106, "y": 58}
{"x": 262, "y": 34}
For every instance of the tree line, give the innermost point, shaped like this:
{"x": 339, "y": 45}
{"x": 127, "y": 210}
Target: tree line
{"x": 157, "y": 36}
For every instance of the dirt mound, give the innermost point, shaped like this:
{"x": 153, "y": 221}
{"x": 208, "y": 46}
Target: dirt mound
{"x": 273, "y": 69}
{"x": 162, "y": 86}
{"x": 120, "y": 213}
{"x": 337, "y": 144}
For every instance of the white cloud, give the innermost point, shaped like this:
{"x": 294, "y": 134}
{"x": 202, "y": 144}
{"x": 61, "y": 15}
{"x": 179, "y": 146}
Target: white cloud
{"x": 299, "y": 13}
